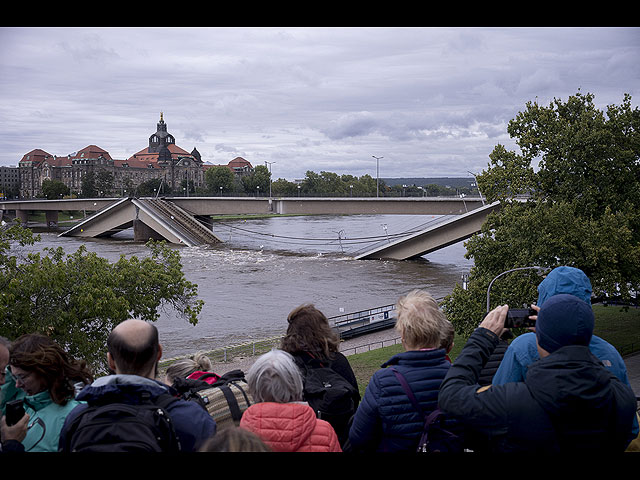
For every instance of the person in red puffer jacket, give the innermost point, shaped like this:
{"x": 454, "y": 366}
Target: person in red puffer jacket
{"x": 280, "y": 417}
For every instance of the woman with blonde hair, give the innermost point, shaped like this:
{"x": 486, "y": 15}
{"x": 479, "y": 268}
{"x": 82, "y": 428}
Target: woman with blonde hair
{"x": 197, "y": 367}
{"x": 386, "y": 419}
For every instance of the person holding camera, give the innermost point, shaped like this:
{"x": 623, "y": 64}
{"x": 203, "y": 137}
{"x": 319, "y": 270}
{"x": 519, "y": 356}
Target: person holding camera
{"x": 522, "y": 350}
{"x": 569, "y": 402}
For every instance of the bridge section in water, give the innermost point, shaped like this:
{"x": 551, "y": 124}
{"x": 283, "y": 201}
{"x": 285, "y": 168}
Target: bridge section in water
{"x": 186, "y": 220}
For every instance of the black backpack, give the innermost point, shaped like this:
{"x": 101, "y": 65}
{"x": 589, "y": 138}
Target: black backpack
{"x": 331, "y": 396}
{"x": 439, "y": 434}
{"x": 124, "y": 427}
{"x": 225, "y": 400}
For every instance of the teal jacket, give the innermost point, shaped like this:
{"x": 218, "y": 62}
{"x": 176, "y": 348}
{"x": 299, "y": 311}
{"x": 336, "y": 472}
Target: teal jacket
{"x": 46, "y": 416}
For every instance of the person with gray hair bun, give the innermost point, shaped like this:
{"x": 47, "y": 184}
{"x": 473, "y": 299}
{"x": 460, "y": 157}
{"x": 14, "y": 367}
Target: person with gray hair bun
{"x": 279, "y": 415}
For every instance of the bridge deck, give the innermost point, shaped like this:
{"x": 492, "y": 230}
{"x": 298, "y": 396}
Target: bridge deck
{"x": 174, "y": 218}
{"x": 434, "y": 237}
{"x": 151, "y": 218}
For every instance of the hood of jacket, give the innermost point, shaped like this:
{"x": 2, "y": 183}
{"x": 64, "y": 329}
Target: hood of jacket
{"x": 570, "y": 280}
{"x": 569, "y": 380}
{"x": 121, "y": 388}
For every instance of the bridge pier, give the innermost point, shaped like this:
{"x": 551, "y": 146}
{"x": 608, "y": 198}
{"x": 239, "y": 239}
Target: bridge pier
{"x": 22, "y": 215}
{"x": 51, "y": 217}
{"x": 143, "y": 233}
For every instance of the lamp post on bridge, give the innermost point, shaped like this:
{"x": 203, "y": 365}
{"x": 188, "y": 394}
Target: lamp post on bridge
{"x": 270, "y": 163}
{"x": 477, "y": 186}
{"x": 377, "y": 173}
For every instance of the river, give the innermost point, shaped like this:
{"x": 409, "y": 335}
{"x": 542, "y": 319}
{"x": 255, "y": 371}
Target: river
{"x": 266, "y": 267}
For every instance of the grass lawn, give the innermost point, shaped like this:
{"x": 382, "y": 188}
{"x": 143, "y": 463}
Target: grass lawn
{"x": 619, "y": 328}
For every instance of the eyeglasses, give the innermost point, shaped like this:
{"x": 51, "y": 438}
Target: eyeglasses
{"x": 19, "y": 378}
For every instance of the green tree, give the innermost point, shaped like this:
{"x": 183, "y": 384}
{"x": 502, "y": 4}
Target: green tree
{"x": 578, "y": 175}
{"x": 151, "y": 187}
{"x": 88, "y": 186}
{"x": 78, "y": 298}
{"x": 284, "y": 187}
{"x": 53, "y": 189}
{"x": 258, "y": 181}
{"x": 219, "y": 176}
{"x": 366, "y": 186}
{"x": 104, "y": 183}
{"x": 332, "y": 184}
{"x": 311, "y": 184}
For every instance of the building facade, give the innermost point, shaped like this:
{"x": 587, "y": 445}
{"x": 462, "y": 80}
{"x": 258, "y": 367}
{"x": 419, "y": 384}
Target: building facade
{"x": 9, "y": 182}
{"x": 162, "y": 159}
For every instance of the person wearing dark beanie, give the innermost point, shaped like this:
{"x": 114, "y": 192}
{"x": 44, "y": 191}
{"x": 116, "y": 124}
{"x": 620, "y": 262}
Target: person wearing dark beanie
{"x": 564, "y": 320}
{"x": 568, "y": 401}
{"x": 522, "y": 350}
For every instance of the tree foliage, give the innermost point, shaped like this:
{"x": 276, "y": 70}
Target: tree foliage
{"x": 78, "y": 298}
{"x": 151, "y": 187}
{"x": 258, "y": 181}
{"x": 579, "y": 171}
{"x": 219, "y": 179}
{"x": 53, "y": 189}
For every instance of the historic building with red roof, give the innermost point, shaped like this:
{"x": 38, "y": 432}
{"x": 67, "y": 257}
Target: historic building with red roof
{"x": 161, "y": 159}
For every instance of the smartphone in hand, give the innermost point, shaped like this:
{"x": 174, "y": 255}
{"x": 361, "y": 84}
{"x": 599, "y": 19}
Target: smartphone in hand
{"x": 14, "y": 412}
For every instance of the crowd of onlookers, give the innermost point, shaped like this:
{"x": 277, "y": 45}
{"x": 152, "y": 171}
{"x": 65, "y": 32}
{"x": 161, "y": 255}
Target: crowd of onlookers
{"x": 557, "y": 388}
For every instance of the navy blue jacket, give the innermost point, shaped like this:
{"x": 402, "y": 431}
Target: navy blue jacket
{"x": 568, "y": 402}
{"x": 192, "y": 423}
{"x": 386, "y": 420}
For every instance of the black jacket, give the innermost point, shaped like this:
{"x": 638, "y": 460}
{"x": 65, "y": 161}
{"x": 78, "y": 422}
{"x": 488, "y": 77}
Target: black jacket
{"x": 568, "y": 402}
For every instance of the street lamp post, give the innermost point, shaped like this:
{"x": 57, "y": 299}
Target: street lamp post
{"x": 377, "y": 173}
{"x": 270, "y": 163}
{"x": 477, "y": 186}
{"x": 535, "y": 267}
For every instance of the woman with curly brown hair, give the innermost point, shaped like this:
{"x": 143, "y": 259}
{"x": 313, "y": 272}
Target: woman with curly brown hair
{"x": 313, "y": 343}
{"x": 45, "y": 378}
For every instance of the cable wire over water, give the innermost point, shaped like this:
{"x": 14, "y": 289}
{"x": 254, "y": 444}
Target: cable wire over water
{"x": 341, "y": 239}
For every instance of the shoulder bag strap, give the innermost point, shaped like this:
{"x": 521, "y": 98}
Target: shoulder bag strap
{"x": 236, "y": 414}
{"x": 408, "y": 391}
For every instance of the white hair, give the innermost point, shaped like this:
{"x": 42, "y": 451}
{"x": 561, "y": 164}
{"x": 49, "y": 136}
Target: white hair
{"x": 275, "y": 377}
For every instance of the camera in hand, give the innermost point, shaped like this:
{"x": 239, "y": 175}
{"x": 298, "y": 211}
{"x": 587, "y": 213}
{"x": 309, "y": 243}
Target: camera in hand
{"x": 519, "y": 317}
{"x": 14, "y": 412}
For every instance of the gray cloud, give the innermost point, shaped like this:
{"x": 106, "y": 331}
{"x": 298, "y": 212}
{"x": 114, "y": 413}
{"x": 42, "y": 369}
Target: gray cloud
{"x": 432, "y": 101}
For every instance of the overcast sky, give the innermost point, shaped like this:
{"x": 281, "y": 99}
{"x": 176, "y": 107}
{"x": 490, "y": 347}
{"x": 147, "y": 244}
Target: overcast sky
{"x": 433, "y": 102}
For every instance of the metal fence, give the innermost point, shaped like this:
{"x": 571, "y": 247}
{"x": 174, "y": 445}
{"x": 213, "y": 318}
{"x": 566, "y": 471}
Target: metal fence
{"x": 258, "y": 347}
{"x": 370, "y": 346}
